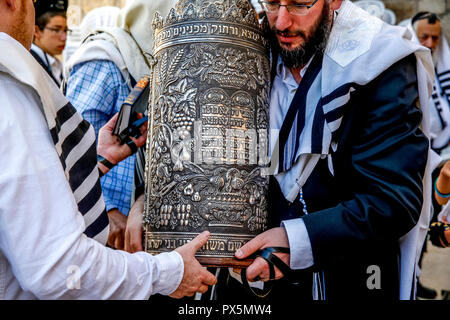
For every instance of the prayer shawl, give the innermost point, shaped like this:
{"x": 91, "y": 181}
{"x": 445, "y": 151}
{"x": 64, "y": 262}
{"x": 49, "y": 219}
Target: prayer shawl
{"x": 360, "y": 48}
{"x": 74, "y": 138}
{"x": 129, "y": 45}
{"x": 441, "y": 94}
{"x": 440, "y": 99}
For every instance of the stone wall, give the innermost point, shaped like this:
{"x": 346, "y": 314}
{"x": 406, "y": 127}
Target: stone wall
{"x": 405, "y": 9}
{"x": 78, "y": 8}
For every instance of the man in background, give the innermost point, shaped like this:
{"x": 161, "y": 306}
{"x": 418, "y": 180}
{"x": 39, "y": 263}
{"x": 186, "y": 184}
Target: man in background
{"x": 344, "y": 108}
{"x": 50, "y": 36}
{"x": 428, "y": 31}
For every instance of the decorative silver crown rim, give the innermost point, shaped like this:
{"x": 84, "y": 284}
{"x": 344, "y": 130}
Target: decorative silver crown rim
{"x": 191, "y": 13}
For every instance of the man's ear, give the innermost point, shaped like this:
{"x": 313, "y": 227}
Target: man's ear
{"x": 12, "y": 4}
{"x": 335, "y": 4}
{"x": 37, "y": 32}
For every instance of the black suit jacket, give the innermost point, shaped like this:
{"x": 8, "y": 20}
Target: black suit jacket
{"x": 357, "y": 216}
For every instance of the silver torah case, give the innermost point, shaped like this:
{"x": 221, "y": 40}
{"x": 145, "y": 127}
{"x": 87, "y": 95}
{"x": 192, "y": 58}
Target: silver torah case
{"x": 207, "y": 143}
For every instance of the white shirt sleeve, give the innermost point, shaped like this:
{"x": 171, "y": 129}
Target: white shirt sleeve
{"x": 41, "y": 230}
{"x": 299, "y": 243}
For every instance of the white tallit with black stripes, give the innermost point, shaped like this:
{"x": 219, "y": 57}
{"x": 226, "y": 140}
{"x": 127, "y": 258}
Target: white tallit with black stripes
{"x": 360, "y": 48}
{"x": 440, "y": 99}
{"x": 74, "y": 138}
{"x": 440, "y": 121}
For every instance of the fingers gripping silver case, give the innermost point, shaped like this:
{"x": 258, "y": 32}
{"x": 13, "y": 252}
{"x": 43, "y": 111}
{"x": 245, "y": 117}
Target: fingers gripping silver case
{"x": 207, "y": 143}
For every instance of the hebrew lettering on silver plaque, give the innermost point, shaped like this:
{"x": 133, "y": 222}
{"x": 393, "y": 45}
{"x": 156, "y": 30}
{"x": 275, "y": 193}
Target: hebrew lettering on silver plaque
{"x": 207, "y": 143}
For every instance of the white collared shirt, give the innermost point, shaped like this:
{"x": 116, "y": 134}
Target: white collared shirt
{"x": 54, "y": 64}
{"x": 283, "y": 91}
{"x": 44, "y": 253}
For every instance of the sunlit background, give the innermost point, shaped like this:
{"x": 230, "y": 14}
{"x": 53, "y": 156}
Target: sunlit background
{"x": 402, "y": 9}
{"x": 82, "y": 17}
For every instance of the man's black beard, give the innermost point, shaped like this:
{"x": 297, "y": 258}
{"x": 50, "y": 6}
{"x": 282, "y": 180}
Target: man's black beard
{"x": 316, "y": 43}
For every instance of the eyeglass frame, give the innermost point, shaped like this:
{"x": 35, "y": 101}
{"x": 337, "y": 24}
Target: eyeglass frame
{"x": 59, "y": 31}
{"x": 287, "y": 6}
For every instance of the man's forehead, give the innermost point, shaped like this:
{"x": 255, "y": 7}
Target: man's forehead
{"x": 423, "y": 26}
{"x": 292, "y": 1}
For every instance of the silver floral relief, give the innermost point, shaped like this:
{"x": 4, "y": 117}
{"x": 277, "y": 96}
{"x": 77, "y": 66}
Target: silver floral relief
{"x": 207, "y": 143}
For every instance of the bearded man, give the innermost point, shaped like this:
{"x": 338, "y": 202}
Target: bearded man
{"x": 351, "y": 156}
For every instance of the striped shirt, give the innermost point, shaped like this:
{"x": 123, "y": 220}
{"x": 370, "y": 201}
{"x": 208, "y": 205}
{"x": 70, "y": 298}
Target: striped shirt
{"x": 97, "y": 90}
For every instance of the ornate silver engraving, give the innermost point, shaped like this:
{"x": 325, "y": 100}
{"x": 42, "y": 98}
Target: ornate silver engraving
{"x": 207, "y": 141}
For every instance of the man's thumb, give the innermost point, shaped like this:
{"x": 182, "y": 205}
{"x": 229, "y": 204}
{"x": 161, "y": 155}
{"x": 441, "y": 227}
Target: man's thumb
{"x": 247, "y": 249}
{"x": 112, "y": 122}
{"x": 199, "y": 241}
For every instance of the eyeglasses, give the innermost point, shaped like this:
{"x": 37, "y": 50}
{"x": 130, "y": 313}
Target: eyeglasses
{"x": 295, "y": 9}
{"x": 59, "y": 31}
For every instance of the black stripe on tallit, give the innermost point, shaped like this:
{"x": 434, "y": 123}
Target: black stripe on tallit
{"x": 86, "y": 204}
{"x": 335, "y": 114}
{"x": 443, "y": 73}
{"x": 317, "y": 129}
{"x": 55, "y": 131}
{"x": 321, "y": 117}
{"x": 62, "y": 115}
{"x": 338, "y": 112}
{"x": 65, "y": 113}
{"x": 297, "y": 108}
{"x": 74, "y": 138}
{"x": 83, "y": 167}
{"x": 98, "y": 225}
{"x": 316, "y": 67}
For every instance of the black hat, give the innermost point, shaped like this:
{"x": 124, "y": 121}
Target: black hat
{"x": 43, "y": 6}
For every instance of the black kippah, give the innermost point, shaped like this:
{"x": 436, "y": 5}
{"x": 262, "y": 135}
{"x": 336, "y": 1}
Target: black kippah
{"x": 432, "y": 17}
{"x": 43, "y": 6}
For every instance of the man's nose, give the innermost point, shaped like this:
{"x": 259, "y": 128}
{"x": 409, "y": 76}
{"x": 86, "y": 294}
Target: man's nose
{"x": 428, "y": 42}
{"x": 284, "y": 19}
